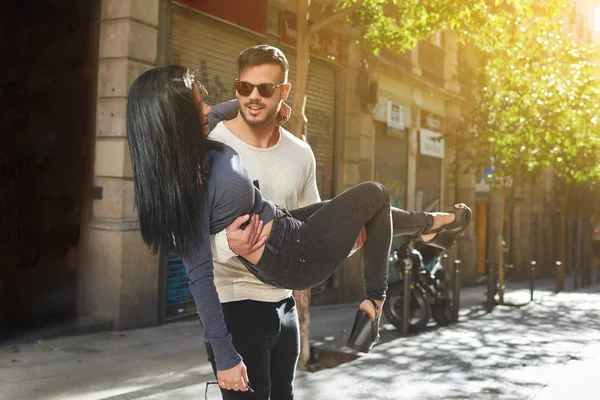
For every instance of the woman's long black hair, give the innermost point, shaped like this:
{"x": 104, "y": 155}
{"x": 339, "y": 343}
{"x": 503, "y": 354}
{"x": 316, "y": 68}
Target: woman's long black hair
{"x": 168, "y": 151}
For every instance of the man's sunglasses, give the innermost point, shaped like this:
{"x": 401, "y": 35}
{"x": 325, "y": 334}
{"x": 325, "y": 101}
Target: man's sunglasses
{"x": 264, "y": 89}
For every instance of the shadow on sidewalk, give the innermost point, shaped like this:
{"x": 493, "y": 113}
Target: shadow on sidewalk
{"x": 486, "y": 355}
{"x": 330, "y": 325}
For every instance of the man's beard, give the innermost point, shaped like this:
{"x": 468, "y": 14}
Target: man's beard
{"x": 269, "y": 118}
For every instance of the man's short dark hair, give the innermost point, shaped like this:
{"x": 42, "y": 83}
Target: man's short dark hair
{"x": 263, "y": 54}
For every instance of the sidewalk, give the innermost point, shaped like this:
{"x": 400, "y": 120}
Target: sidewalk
{"x": 545, "y": 350}
{"x": 330, "y": 325}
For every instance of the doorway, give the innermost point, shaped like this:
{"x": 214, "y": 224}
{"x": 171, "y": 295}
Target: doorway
{"x": 48, "y": 102}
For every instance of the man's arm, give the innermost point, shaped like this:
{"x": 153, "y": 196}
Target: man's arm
{"x": 234, "y": 241}
{"x": 310, "y": 192}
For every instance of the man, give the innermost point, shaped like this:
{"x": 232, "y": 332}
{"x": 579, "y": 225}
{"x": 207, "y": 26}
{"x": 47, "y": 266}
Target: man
{"x": 261, "y": 319}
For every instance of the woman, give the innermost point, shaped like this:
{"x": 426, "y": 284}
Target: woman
{"x": 187, "y": 187}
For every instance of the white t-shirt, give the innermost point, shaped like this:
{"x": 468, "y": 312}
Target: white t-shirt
{"x": 286, "y": 176}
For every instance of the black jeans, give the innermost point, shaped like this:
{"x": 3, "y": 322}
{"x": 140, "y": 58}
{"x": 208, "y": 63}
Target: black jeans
{"x": 267, "y": 337}
{"x": 306, "y": 245}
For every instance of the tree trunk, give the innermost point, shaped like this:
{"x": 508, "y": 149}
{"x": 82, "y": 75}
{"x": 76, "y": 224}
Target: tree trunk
{"x": 303, "y": 307}
{"x": 504, "y": 193}
{"x": 298, "y": 118}
{"x": 298, "y": 122}
{"x": 303, "y": 39}
{"x": 564, "y": 203}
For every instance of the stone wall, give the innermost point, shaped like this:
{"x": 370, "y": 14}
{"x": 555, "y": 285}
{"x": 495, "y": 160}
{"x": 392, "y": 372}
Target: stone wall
{"x": 119, "y": 279}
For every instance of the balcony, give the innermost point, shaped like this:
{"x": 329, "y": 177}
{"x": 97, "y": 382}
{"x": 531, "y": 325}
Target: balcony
{"x": 403, "y": 60}
{"x": 432, "y": 61}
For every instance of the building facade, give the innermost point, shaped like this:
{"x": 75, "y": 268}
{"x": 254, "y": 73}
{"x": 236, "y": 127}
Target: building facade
{"x": 369, "y": 118}
{"x": 379, "y": 122}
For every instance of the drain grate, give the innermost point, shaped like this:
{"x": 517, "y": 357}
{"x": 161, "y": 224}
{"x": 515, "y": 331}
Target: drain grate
{"x": 323, "y": 358}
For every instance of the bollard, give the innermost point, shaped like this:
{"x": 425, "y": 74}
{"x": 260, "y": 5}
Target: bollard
{"x": 445, "y": 268}
{"x": 491, "y": 288}
{"x": 406, "y": 280}
{"x": 576, "y": 276}
{"x": 456, "y": 291}
{"x": 558, "y": 282}
{"x": 531, "y": 280}
{"x": 588, "y": 274}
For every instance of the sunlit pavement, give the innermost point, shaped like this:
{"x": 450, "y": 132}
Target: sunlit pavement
{"x": 546, "y": 350}
{"x": 549, "y": 349}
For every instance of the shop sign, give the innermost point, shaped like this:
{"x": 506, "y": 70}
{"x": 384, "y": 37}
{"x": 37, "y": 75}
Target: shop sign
{"x": 395, "y": 119}
{"x": 396, "y": 116}
{"x": 431, "y": 143}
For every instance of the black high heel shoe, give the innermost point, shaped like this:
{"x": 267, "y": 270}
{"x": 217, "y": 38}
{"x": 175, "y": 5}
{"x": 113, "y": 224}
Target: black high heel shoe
{"x": 446, "y": 235}
{"x": 365, "y": 332}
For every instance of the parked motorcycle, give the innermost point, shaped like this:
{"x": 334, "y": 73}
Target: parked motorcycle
{"x": 428, "y": 288}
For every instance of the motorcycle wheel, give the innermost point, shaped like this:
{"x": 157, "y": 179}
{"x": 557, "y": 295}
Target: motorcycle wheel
{"x": 419, "y": 307}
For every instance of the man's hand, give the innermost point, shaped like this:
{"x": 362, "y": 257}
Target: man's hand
{"x": 235, "y": 378}
{"x": 361, "y": 239}
{"x": 245, "y": 241}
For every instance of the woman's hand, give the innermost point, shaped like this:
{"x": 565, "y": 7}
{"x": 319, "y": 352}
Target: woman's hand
{"x": 235, "y": 378}
{"x": 203, "y": 108}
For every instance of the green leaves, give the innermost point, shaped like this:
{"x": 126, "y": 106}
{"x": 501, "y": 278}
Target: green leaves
{"x": 532, "y": 90}
{"x": 535, "y": 103}
{"x": 397, "y": 25}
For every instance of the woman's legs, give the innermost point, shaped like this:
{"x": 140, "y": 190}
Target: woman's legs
{"x": 403, "y": 222}
{"x": 331, "y": 228}
{"x": 411, "y": 222}
{"x": 328, "y": 230}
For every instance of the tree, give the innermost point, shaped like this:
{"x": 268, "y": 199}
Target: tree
{"x": 505, "y": 116}
{"x": 576, "y": 144}
{"x": 534, "y": 105}
{"x": 298, "y": 125}
{"x": 396, "y": 25}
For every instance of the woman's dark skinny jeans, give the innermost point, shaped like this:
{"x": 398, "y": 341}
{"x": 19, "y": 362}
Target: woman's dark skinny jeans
{"x": 306, "y": 245}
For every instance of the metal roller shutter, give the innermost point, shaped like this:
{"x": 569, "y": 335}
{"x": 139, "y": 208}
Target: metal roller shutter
{"x": 179, "y": 300}
{"x": 320, "y": 111}
{"x": 211, "y": 47}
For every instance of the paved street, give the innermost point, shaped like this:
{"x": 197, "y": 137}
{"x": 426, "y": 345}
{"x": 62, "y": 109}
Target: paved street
{"x": 549, "y": 349}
